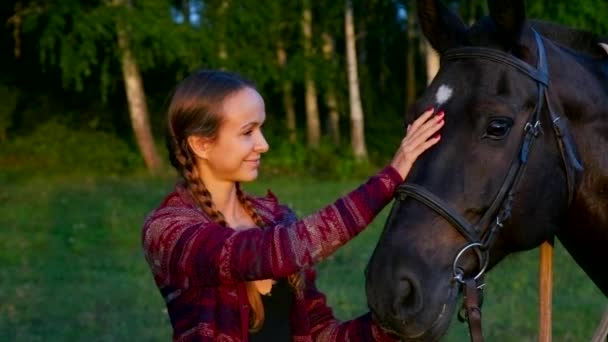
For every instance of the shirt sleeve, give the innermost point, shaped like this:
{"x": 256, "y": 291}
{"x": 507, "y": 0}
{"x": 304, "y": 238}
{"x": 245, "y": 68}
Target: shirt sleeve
{"x": 325, "y": 327}
{"x": 178, "y": 243}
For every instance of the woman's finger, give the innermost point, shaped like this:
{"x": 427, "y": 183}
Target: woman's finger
{"x": 432, "y": 126}
{"x": 426, "y": 145}
{"x": 422, "y": 119}
{"x": 424, "y": 132}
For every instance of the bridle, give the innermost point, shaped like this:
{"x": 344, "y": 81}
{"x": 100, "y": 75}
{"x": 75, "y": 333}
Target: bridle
{"x": 479, "y": 240}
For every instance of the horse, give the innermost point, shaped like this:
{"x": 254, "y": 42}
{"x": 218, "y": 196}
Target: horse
{"x": 523, "y": 158}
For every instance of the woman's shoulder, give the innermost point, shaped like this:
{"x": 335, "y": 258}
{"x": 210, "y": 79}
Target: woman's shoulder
{"x": 177, "y": 205}
{"x": 270, "y": 208}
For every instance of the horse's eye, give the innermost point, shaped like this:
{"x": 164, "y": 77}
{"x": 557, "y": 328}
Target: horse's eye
{"x": 498, "y": 128}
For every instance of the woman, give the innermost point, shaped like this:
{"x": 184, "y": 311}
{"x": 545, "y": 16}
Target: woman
{"x": 233, "y": 267}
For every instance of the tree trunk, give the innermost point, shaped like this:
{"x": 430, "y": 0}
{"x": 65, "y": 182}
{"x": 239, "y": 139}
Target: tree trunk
{"x": 16, "y": 21}
{"x": 186, "y": 11}
{"x": 356, "y": 110}
{"x": 432, "y": 61}
{"x": 222, "y": 52}
{"x": 313, "y": 127}
{"x": 330, "y": 96}
{"x": 287, "y": 89}
{"x": 136, "y": 96}
{"x": 410, "y": 88}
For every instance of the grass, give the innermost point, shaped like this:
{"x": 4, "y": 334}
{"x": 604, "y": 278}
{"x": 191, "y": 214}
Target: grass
{"x": 73, "y": 270}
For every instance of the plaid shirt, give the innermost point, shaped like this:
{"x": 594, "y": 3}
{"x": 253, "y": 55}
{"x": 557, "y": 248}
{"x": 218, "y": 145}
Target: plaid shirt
{"x": 200, "y": 267}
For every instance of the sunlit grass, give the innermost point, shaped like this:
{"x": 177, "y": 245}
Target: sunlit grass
{"x": 72, "y": 267}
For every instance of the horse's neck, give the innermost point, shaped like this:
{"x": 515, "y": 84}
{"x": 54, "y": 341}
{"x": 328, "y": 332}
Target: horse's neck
{"x": 579, "y": 85}
{"x": 582, "y": 90}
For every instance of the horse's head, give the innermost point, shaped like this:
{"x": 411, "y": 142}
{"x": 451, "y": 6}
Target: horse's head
{"x": 474, "y": 176}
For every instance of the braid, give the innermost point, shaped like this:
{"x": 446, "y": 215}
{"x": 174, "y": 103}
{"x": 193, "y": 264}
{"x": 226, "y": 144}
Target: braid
{"x": 246, "y": 203}
{"x": 296, "y": 280}
{"x": 195, "y": 185}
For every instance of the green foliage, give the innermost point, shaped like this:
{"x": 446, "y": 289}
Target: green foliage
{"x": 585, "y": 14}
{"x": 75, "y": 40}
{"x": 8, "y": 96}
{"x": 54, "y": 148}
{"x": 75, "y": 44}
{"x": 80, "y": 40}
{"x": 325, "y": 162}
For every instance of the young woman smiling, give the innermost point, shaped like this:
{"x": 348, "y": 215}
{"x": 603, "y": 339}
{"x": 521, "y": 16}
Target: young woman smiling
{"x": 235, "y": 267}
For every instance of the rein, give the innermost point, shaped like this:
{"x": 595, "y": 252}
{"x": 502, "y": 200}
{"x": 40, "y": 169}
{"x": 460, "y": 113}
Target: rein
{"x": 479, "y": 240}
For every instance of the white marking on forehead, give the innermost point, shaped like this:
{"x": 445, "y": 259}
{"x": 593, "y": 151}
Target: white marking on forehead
{"x": 444, "y": 93}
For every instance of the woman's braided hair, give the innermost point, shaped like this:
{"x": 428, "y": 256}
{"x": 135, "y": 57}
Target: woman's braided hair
{"x": 195, "y": 109}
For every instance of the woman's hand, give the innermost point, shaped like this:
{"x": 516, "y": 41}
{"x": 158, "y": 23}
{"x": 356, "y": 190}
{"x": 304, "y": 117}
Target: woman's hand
{"x": 421, "y": 135}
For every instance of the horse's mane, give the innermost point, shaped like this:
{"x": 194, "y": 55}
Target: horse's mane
{"x": 579, "y": 40}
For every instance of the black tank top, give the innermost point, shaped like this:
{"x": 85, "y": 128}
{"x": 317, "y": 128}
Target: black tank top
{"x": 276, "y": 310}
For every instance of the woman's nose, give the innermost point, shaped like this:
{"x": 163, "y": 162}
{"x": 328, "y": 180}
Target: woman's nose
{"x": 261, "y": 144}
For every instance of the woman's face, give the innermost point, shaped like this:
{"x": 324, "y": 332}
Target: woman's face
{"x": 235, "y": 154}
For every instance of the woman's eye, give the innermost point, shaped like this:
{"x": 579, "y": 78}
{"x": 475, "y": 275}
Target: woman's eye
{"x": 498, "y": 128}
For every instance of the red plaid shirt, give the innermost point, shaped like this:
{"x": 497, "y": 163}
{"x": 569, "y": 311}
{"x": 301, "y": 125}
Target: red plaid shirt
{"x": 201, "y": 267}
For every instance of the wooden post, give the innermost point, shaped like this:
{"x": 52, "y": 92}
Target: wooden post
{"x": 545, "y": 289}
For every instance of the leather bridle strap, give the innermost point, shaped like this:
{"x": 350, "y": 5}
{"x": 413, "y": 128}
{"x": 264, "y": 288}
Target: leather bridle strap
{"x": 440, "y": 207}
{"x": 532, "y": 128}
{"x": 472, "y": 304}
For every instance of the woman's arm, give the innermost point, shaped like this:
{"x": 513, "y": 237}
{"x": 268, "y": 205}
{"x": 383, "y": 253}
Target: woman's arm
{"x": 182, "y": 246}
{"x": 179, "y": 246}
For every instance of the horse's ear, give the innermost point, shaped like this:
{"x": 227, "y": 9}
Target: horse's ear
{"x": 604, "y": 46}
{"x": 440, "y": 26}
{"x": 509, "y": 17}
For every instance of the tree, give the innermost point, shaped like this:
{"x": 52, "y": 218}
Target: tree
{"x": 356, "y": 110}
{"x": 287, "y": 94}
{"x": 136, "y": 96}
{"x": 431, "y": 58}
{"x": 330, "y": 95}
{"x": 410, "y": 84}
{"x": 584, "y": 14}
{"x": 103, "y": 44}
{"x": 221, "y": 27}
{"x": 313, "y": 126}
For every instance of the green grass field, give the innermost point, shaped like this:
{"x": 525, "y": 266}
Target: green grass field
{"x": 72, "y": 268}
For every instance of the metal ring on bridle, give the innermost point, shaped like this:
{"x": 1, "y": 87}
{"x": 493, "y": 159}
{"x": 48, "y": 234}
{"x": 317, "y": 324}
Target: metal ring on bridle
{"x": 482, "y": 256}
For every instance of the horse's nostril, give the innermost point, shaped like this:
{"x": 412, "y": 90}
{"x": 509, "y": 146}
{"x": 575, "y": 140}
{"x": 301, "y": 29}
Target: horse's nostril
{"x": 405, "y": 287}
{"x": 407, "y": 298}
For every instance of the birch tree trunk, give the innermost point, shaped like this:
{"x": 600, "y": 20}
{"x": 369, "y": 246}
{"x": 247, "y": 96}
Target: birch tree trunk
{"x": 356, "y": 111}
{"x": 136, "y": 96}
{"x": 287, "y": 89}
{"x": 313, "y": 127}
{"x": 330, "y": 96}
{"x": 432, "y": 61}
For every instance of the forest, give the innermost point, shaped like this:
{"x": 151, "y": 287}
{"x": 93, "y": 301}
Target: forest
{"x": 84, "y": 84}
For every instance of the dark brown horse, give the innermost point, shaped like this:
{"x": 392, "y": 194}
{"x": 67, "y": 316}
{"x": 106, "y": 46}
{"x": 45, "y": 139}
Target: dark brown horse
{"x": 523, "y": 158}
